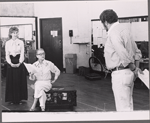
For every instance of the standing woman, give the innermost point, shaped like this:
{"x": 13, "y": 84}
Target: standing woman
{"x": 16, "y": 78}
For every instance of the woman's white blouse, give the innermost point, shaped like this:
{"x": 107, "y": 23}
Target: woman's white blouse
{"x": 14, "y": 48}
{"x": 45, "y": 69}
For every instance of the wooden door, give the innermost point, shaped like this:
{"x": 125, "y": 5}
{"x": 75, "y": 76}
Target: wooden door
{"x": 51, "y": 40}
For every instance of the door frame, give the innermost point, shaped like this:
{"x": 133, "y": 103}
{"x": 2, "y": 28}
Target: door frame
{"x": 41, "y": 43}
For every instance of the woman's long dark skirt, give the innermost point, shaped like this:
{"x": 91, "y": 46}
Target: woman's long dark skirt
{"x": 16, "y": 82}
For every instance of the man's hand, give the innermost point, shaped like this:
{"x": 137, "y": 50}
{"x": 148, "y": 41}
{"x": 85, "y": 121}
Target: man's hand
{"x": 136, "y": 72}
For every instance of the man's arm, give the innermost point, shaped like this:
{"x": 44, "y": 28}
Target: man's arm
{"x": 138, "y": 55}
{"x": 119, "y": 46}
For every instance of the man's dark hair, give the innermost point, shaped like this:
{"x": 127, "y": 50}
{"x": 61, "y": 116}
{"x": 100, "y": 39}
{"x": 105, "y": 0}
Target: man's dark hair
{"x": 109, "y": 15}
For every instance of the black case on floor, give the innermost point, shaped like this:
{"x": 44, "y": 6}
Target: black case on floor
{"x": 61, "y": 98}
{"x": 93, "y": 76}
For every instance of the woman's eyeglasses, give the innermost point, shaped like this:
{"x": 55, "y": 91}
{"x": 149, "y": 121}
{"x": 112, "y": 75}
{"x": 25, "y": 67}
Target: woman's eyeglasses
{"x": 41, "y": 54}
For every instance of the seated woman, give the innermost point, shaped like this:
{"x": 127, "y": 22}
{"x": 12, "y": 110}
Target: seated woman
{"x": 43, "y": 78}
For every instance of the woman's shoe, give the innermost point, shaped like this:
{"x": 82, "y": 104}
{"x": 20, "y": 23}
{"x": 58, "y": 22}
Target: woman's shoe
{"x": 42, "y": 109}
{"x": 32, "y": 109}
{"x": 20, "y": 103}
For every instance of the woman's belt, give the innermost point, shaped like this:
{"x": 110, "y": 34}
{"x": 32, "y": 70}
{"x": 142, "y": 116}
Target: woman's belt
{"x": 15, "y": 59}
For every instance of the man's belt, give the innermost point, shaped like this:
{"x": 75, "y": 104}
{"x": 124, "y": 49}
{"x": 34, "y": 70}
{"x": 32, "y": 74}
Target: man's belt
{"x": 119, "y": 68}
{"x": 43, "y": 79}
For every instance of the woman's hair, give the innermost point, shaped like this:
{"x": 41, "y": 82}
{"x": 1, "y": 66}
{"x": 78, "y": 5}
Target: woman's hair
{"x": 40, "y": 49}
{"x": 109, "y": 15}
{"x": 11, "y": 30}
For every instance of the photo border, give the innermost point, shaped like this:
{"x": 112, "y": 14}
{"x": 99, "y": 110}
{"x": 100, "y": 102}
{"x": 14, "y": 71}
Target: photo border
{"x": 120, "y": 121}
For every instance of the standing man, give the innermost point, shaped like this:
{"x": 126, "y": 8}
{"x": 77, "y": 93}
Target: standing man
{"x": 121, "y": 54}
{"x": 43, "y": 79}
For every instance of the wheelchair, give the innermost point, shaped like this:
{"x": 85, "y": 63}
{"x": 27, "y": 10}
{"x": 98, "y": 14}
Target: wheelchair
{"x": 97, "y": 61}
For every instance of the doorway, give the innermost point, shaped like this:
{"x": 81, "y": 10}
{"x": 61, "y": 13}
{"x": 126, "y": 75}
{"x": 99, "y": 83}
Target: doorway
{"x": 51, "y": 40}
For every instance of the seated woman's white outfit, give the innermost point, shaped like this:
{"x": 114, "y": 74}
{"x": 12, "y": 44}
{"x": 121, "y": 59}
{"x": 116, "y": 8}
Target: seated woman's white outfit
{"x": 43, "y": 80}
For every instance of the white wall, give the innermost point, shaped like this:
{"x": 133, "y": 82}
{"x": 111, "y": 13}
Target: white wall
{"x": 77, "y": 16}
{"x": 16, "y": 9}
{"x": 123, "y": 8}
{"x": 72, "y": 19}
{"x": 4, "y": 21}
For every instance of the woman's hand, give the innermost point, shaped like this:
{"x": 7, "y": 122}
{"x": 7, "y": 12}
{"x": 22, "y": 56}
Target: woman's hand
{"x": 53, "y": 81}
{"x": 32, "y": 86}
{"x": 12, "y": 65}
{"x": 17, "y": 65}
{"x": 32, "y": 76}
{"x": 55, "y": 78}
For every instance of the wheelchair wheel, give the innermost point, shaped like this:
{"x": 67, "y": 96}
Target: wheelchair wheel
{"x": 95, "y": 64}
